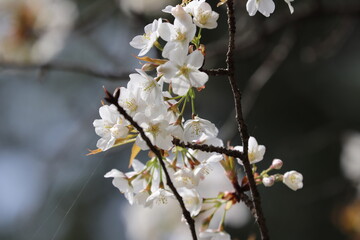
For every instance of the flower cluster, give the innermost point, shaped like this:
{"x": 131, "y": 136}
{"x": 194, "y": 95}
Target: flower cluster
{"x": 156, "y": 98}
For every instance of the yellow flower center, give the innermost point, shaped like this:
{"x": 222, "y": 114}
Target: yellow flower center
{"x": 180, "y": 36}
{"x": 131, "y": 105}
{"x": 184, "y": 70}
{"x": 154, "y": 129}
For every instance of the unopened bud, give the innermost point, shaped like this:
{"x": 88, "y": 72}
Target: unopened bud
{"x": 147, "y": 67}
{"x": 268, "y": 181}
{"x": 276, "y": 163}
{"x": 191, "y": 49}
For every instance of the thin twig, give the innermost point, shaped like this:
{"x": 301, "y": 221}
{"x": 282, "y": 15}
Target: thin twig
{"x": 241, "y": 123}
{"x": 66, "y": 67}
{"x": 216, "y": 72}
{"x": 114, "y": 100}
{"x": 239, "y": 191}
{"x": 209, "y": 148}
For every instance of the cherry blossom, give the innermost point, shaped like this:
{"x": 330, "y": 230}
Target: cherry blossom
{"x": 156, "y": 129}
{"x": 146, "y": 41}
{"x": 182, "y": 71}
{"x": 199, "y": 129}
{"x": 192, "y": 200}
{"x": 110, "y": 127}
{"x": 255, "y": 152}
{"x": 293, "y": 180}
{"x": 179, "y": 34}
{"x": 121, "y": 182}
{"x": 265, "y": 7}
{"x": 202, "y": 13}
{"x": 160, "y": 196}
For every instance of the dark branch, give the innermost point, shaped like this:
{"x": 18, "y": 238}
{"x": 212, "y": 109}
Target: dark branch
{"x": 208, "y": 148}
{"x": 239, "y": 191}
{"x": 114, "y": 100}
{"x": 66, "y": 67}
{"x": 216, "y": 72}
{"x": 241, "y": 122}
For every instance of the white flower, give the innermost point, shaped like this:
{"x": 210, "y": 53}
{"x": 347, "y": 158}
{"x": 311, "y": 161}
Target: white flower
{"x": 266, "y": 7}
{"x": 179, "y": 34}
{"x": 199, "y": 129}
{"x": 182, "y": 71}
{"x": 293, "y": 180}
{"x": 160, "y": 196}
{"x": 207, "y": 159}
{"x": 214, "y": 235}
{"x": 156, "y": 129}
{"x": 146, "y": 41}
{"x": 290, "y": 6}
{"x": 146, "y": 86}
{"x": 203, "y": 15}
{"x": 34, "y": 30}
{"x": 141, "y": 197}
{"x": 255, "y": 152}
{"x": 185, "y": 178}
{"x": 121, "y": 182}
{"x": 110, "y": 127}
{"x": 192, "y": 200}
{"x": 130, "y": 99}
{"x": 268, "y": 181}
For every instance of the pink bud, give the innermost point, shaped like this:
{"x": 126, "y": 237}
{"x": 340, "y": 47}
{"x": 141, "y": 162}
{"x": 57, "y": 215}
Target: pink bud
{"x": 268, "y": 181}
{"x": 276, "y": 163}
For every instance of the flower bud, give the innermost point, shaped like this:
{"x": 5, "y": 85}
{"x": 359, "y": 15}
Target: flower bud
{"x": 147, "y": 67}
{"x": 268, "y": 181}
{"x": 276, "y": 163}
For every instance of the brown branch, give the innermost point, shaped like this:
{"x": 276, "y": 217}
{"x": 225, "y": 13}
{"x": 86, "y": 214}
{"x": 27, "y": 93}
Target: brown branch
{"x": 66, "y": 67}
{"x": 241, "y": 123}
{"x": 208, "y": 148}
{"x": 216, "y": 72}
{"x": 239, "y": 191}
{"x": 114, "y": 100}
{"x": 241, "y": 196}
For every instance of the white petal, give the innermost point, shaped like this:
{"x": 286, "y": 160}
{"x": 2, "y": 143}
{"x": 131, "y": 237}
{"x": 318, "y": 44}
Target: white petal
{"x": 266, "y": 7}
{"x": 198, "y": 79}
{"x": 166, "y": 30}
{"x": 114, "y": 173}
{"x": 181, "y": 87}
{"x": 251, "y": 7}
{"x": 195, "y": 59}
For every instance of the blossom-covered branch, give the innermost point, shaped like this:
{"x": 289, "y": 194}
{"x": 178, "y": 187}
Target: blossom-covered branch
{"x": 150, "y": 113}
{"x": 114, "y": 100}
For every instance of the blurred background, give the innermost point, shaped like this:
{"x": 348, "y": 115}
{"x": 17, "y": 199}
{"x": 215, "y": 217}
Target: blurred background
{"x": 300, "y": 76}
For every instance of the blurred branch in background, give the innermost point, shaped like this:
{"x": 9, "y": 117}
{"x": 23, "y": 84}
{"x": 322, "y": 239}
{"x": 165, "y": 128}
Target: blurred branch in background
{"x": 258, "y": 80}
{"x": 66, "y": 67}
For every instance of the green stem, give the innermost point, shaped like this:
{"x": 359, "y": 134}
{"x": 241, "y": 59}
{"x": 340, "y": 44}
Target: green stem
{"x": 158, "y": 46}
{"x": 192, "y": 97}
